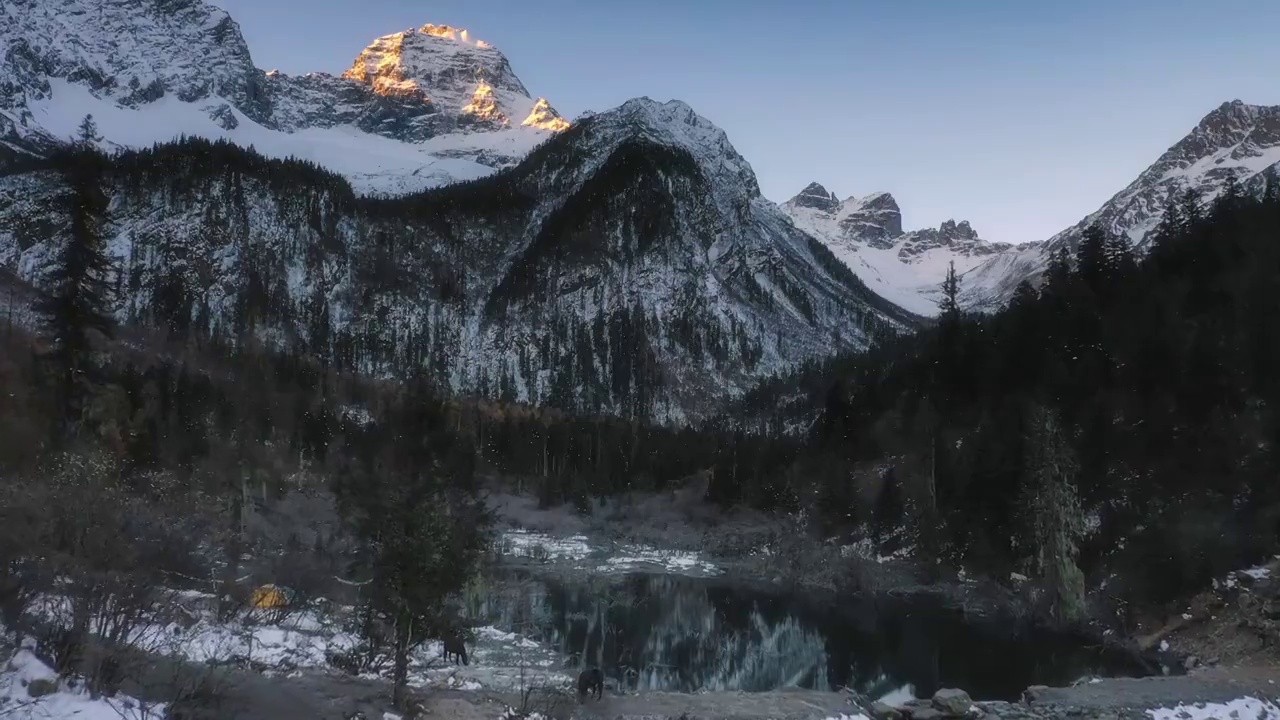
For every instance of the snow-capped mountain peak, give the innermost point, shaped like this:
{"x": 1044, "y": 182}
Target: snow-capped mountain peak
{"x": 874, "y": 220}
{"x": 417, "y": 108}
{"x": 443, "y": 65}
{"x": 817, "y": 197}
{"x": 866, "y": 233}
{"x": 1233, "y": 141}
{"x": 674, "y": 123}
{"x": 633, "y": 253}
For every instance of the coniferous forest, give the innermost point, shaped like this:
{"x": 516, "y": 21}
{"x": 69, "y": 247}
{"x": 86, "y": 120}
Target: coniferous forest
{"x": 1122, "y": 416}
{"x": 1158, "y": 372}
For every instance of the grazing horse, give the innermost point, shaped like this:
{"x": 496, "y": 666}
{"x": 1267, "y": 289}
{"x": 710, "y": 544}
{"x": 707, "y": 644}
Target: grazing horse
{"x": 456, "y": 649}
{"x": 590, "y": 680}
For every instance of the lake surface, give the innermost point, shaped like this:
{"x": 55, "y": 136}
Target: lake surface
{"x": 664, "y": 632}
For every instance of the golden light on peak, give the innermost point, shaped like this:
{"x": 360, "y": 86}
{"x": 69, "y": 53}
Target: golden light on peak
{"x": 379, "y": 66}
{"x": 445, "y": 31}
{"x": 483, "y": 105}
{"x": 544, "y": 118}
{"x": 451, "y": 33}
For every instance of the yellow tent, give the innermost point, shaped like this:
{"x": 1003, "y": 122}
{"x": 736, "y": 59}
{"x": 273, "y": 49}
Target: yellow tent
{"x": 269, "y": 596}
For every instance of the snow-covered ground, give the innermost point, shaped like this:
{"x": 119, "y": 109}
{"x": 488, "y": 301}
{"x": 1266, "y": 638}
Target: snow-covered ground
{"x": 372, "y": 163}
{"x": 578, "y": 551}
{"x": 866, "y": 549}
{"x": 1245, "y": 708}
{"x": 20, "y": 699}
{"x": 303, "y": 641}
{"x": 1260, "y": 572}
{"x": 913, "y": 283}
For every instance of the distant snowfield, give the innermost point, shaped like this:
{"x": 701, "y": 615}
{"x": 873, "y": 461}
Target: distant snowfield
{"x": 914, "y": 287}
{"x": 371, "y": 163}
{"x": 578, "y": 551}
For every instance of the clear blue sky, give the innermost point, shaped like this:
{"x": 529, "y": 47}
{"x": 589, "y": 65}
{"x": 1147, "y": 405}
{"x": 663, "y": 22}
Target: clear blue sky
{"x": 1021, "y": 116}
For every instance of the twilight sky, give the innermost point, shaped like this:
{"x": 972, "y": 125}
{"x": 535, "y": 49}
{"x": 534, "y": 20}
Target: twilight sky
{"x": 1019, "y": 116}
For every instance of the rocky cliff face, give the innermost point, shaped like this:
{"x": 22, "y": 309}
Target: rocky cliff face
{"x": 866, "y": 233}
{"x": 127, "y": 52}
{"x": 958, "y": 239}
{"x": 628, "y": 266}
{"x": 151, "y": 70}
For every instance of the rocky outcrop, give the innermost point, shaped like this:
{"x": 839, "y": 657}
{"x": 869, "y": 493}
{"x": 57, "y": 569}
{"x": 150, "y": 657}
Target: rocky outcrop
{"x": 866, "y": 234}
{"x": 958, "y": 239}
{"x": 874, "y": 220}
{"x": 816, "y": 197}
{"x": 133, "y": 52}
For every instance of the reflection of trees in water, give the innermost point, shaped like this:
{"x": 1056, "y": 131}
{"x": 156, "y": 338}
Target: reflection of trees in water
{"x": 664, "y": 633}
{"x": 653, "y": 632}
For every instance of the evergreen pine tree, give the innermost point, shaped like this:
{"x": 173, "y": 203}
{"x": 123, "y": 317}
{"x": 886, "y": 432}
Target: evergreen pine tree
{"x": 77, "y": 302}
{"x": 422, "y": 527}
{"x": 87, "y": 135}
{"x": 1057, "y": 276}
{"x": 1189, "y": 209}
{"x": 1120, "y": 261}
{"x": 949, "y": 306}
{"x": 1230, "y": 198}
{"x": 1091, "y": 257}
{"x": 1271, "y": 195}
{"x": 1171, "y": 225}
{"x": 1056, "y": 519}
{"x": 1024, "y": 296}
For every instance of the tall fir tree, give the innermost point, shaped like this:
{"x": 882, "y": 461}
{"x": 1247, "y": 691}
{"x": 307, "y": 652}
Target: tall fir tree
{"x": 1058, "y": 277}
{"x": 1054, "y": 516}
{"x": 1271, "y": 192}
{"x": 1120, "y": 260}
{"x": 77, "y": 303}
{"x": 87, "y": 136}
{"x": 421, "y": 524}
{"x": 1091, "y": 257}
{"x": 1189, "y": 209}
{"x": 949, "y": 305}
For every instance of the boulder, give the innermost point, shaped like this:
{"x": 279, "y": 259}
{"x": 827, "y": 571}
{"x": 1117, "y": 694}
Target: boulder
{"x": 952, "y": 702}
{"x": 1033, "y": 693}
{"x": 881, "y": 711}
{"x": 41, "y": 687}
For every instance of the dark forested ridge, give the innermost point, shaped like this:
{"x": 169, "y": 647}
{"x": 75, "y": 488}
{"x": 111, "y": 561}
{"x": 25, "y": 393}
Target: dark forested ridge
{"x": 581, "y": 282}
{"x": 1161, "y": 374}
{"x": 1159, "y": 368}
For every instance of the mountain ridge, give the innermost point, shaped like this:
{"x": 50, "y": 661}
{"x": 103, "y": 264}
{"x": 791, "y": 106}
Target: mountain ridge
{"x": 627, "y": 265}
{"x": 417, "y": 109}
{"x": 1236, "y": 141}
{"x": 866, "y": 233}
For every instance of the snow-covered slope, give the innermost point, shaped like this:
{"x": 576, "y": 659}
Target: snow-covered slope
{"x": 906, "y": 268}
{"x": 628, "y": 265}
{"x": 1234, "y": 141}
{"x": 417, "y": 108}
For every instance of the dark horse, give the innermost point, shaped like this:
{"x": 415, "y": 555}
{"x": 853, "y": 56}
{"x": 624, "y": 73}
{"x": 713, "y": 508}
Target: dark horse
{"x": 456, "y": 649}
{"x": 590, "y": 680}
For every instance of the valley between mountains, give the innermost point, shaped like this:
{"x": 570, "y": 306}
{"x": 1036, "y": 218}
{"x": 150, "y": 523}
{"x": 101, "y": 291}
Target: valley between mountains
{"x": 305, "y": 380}
{"x": 644, "y": 228}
